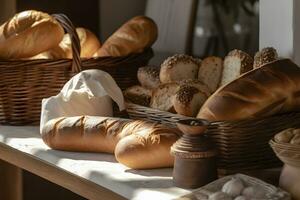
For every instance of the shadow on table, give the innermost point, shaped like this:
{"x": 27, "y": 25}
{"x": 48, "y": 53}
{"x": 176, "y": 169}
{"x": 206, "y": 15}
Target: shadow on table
{"x": 54, "y": 156}
{"x": 164, "y": 172}
{"x": 130, "y": 186}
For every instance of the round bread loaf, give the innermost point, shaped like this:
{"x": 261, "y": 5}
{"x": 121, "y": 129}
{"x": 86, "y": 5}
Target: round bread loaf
{"x": 147, "y": 147}
{"x": 265, "y": 56}
{"x": 148, "y": 76}
{"x": 29, "y": 33}
{"x": 179, "y": 67}
{"x": 188, "y": 100}
{"x": 271, "y": 89}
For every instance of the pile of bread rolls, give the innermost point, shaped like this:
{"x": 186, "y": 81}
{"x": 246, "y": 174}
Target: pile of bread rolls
{"x": 34, "y": 35}
{"x": 183, "y": 84}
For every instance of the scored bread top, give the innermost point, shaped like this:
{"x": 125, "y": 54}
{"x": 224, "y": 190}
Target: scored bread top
{"x": 270, "y": 89}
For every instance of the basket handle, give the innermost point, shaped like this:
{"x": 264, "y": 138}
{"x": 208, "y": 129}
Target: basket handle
{"x": 70, "y": 28}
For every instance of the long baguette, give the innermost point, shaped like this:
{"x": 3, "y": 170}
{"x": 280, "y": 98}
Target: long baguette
{"x": 131, "y": 141}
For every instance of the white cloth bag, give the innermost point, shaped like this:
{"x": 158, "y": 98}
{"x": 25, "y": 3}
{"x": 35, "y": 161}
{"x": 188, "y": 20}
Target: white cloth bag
{"x": 88, "y": 93}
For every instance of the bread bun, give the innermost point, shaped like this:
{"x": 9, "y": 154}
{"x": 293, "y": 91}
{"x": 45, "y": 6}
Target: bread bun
{"x": 148, "y": 76}
{"x": 210, "y": 72}
{"x": 265, "y": 56}
{"x": 147, "y": 147}
{"x": 188, "y": 100}
{"x": 29, "y": 33}
{"x": 178, "y": 67}
{"x": 163, "y": 97}
{"x": 236, "y": 63}
{"x": 132, "y": 37}
{"x": 271, "y": 89}
{"x": 88, "y": 41}
{"x": 138, "y": 95}
{"x": 197, "y": 84}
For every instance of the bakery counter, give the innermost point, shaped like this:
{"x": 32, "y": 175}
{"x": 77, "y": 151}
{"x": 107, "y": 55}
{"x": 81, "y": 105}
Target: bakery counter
{"x": 91, "y": 175}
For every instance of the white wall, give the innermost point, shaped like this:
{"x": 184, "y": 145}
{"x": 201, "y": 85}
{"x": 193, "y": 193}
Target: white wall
{"x": 280, "y": 27}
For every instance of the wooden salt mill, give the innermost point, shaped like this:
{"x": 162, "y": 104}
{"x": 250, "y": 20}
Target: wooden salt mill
{"x": 195, "y": 155}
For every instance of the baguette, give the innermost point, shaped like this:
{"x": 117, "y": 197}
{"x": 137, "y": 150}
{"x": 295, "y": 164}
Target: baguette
{"x": 29, "y": 33}
{"x": 271, "y": 89}
{"x": 133, "y": 37}
{"x": 131, "y": 141}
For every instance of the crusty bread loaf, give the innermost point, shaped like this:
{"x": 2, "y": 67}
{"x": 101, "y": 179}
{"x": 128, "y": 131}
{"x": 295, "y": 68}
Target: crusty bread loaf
{"x": 236, "y": 63}
{"x": 89, "y": 44}
{"x": 131, "y": 141}
{"x": 84, "y": 133}
{"x": 210, "y": 72}
{"x": 29, "y": 33}
{"x": 138, "y": 95}
{"x": 265, "y": 56}
{"x": 148, "y": 76}
{"x": 163, "y": 97}
{"x": 178, "y": 67}
{"x": 132, "y": 37}
{"x": 147, "y": 147}
{"x": 188, "y": 100}
{"x": 271, "y": 89}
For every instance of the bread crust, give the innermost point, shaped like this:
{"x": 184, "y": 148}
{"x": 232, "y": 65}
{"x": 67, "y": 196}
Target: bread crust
{"x": 29, "y": 33}
{"x": 270, "y": 89}
{"x": 132, "y": 37}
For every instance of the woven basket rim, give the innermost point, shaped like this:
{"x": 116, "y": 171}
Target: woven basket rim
{"x": 242, "y": 121}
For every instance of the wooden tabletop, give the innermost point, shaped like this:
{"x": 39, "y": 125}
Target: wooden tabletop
{"x": 91, "y": 175}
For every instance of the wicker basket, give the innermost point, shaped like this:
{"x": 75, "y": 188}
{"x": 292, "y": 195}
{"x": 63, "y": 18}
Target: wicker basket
{"x": 242, "y": 145}
{"x": 24, "y": 83}
{"x": 271, "y": 191}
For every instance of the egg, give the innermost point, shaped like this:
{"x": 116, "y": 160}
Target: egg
{"x": 219, "y": 196}
{"x": 234, "y": 187}
{"x": 253, "y": 192}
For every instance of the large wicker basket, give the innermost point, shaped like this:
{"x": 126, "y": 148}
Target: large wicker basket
{"x": 242, "y": 145}
{"x": 24, "y": 83}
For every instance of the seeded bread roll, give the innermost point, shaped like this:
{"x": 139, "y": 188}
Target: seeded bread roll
{"x": 138, "y": 95}
{"x": 236, "y": 63}
{"x": 210, "y": 72}
{"x": 197, "y": 84}
{"x": 271, "y": 89}
{"x": 148, "y": 76}
{"x": 179, "y": 67}
{"x": 265, "y": 56}
{"x": 163, "y": 97}
{"x": 188, "y": 100}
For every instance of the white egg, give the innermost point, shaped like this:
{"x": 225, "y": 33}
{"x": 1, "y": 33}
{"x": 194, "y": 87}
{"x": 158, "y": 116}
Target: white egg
{"x": 234, "y": 187}
{"x": 253, "y": 192}
{"x": 219, "y": 196}
{"x": 241, "y": 198}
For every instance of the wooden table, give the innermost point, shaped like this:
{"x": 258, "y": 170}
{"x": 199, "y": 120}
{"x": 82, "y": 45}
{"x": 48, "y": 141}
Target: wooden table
{"x": 91, "y": 175}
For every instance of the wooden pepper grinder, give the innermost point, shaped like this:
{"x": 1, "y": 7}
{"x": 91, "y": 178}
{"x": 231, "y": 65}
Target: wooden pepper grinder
{"x": 195, "y": 155}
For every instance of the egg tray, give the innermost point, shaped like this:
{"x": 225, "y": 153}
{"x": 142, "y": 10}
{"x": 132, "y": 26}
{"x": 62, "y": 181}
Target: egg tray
{"x": 272, "y": 192}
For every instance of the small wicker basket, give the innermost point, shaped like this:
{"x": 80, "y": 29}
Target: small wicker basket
{"x": 271, "y": 191}
{"x": 24, "y": 83}
{"x": 243, "y": 145}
